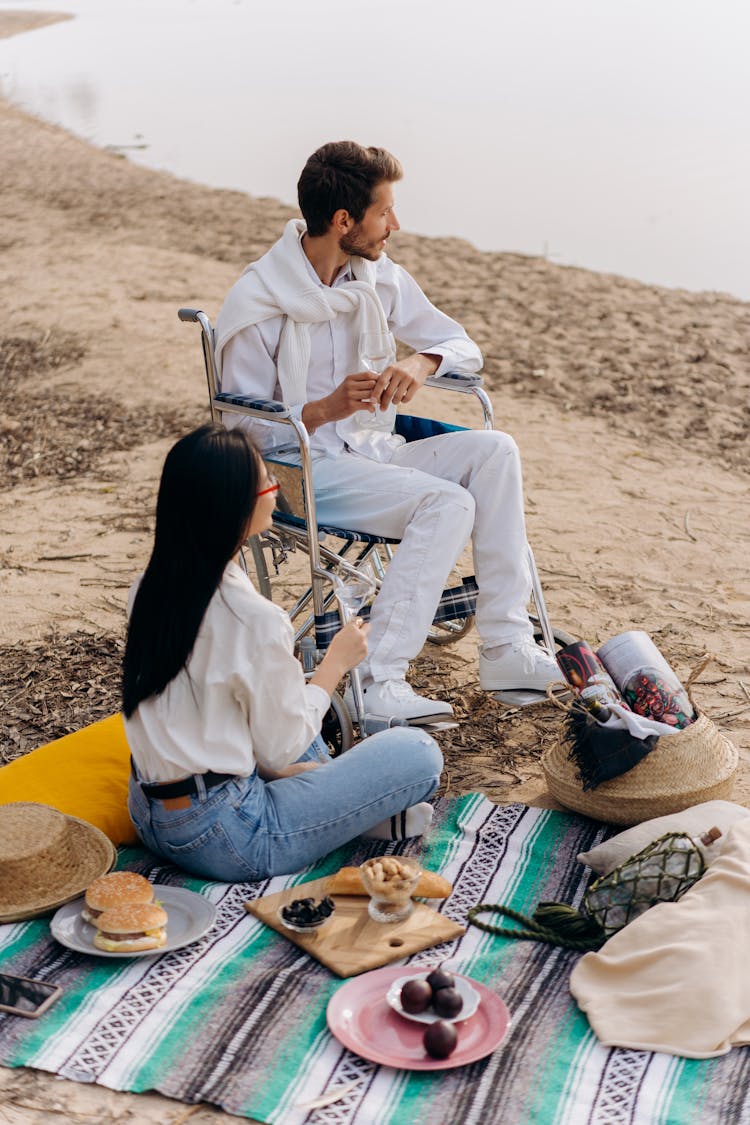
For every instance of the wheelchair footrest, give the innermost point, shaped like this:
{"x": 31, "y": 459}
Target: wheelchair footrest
{"x": 437, "y": 725}
{"x": 519, "y": 697}
{"x": 374, "y": 724}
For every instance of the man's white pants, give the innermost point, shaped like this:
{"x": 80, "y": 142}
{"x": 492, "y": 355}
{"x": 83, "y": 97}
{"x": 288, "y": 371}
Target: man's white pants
{"x": 433, "y": 495}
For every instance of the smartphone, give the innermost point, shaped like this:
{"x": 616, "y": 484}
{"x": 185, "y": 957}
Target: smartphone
{"x": 22, "y": 996}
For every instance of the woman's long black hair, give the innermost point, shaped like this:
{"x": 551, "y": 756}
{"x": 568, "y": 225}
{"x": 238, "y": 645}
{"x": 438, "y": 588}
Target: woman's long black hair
{"x": 206, "y": 498}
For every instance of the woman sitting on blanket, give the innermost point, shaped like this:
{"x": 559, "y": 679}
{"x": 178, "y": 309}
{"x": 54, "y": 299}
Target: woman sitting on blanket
{"x": 231, "y": 779}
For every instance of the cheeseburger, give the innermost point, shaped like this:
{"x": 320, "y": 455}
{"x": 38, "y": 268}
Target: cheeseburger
{"x": 116, "y": 889}
{"x": 131, "y": 928}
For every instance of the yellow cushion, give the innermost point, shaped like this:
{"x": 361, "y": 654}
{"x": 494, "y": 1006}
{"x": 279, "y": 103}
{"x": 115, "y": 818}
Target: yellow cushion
{"x": 84, "y": 774}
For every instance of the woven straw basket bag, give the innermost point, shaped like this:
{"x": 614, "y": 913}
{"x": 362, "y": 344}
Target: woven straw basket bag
{"x": 693, "y": 765}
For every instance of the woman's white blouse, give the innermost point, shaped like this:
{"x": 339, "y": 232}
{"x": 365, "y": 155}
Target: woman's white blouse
{"x": 242, "y": 699}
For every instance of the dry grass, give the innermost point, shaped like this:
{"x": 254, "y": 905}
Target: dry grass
{"x": 51, "y": 689}
{"x": 48, "y": 429}
{"x": 495, "y": 748}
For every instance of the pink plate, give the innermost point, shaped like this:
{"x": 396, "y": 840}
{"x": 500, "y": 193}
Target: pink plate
{"x": 361, "y": 1018}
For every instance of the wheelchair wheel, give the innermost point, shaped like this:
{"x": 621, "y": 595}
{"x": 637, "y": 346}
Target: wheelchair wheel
{"x": 561, "y": 637}
{"x": 337, "y": 729}
{"x": 446, "y": 632}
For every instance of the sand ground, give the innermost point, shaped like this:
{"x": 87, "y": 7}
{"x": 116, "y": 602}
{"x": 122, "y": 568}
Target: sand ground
{"x": 629, "y": 403}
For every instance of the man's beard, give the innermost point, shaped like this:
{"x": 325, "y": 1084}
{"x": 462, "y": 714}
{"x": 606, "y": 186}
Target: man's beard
{"x": 357, "y": 247}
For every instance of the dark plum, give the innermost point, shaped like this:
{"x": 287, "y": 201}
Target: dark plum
{"x": 447, "y": 1002}
{"x": 416, "y": 996}
{"x": 440, "y": 1039}
{"x": 440, "y": 978}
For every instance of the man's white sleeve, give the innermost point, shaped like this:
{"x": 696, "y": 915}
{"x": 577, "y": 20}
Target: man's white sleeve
{"x": 418, "y": 323}
{"x": 284, "y": 713}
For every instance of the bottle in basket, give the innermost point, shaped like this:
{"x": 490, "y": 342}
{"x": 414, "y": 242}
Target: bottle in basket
{"x": 647, "y": 682}
{"x": 585, "y": 673}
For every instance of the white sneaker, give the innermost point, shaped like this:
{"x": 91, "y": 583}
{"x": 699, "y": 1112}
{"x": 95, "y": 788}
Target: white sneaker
{"x": 523, "y": 666}
{"x": 395, "y": 699}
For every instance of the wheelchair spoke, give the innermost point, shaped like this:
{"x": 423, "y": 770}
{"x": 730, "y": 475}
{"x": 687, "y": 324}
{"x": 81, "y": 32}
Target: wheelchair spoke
{"x": 447, "y": 632}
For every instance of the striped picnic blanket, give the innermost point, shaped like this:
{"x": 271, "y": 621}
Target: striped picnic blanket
{"x": 238, "y": 1018}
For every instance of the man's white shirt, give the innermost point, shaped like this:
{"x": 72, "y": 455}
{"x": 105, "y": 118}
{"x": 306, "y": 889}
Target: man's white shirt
{"x": 249, "y": 358}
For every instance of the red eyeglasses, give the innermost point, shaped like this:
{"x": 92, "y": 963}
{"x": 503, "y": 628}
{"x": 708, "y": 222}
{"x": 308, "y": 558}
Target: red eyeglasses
{"x": 273, "y": 486}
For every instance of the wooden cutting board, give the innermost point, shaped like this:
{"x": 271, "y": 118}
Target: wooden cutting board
{"x": 350, "y": 943}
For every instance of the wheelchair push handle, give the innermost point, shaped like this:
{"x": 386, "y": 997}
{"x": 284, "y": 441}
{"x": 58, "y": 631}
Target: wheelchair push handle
{"x": 190, "y": 316}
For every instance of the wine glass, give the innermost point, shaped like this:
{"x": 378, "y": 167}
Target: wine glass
{"x": 377, "y": 351}
{"x": 355, "y": 593}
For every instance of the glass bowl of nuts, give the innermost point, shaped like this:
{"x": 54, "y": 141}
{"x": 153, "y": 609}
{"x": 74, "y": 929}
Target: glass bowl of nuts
{"x": 390, "y": 882}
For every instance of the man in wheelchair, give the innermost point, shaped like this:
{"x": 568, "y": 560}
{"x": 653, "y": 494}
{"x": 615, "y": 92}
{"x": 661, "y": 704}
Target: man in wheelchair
{"x": 312, "y": 324}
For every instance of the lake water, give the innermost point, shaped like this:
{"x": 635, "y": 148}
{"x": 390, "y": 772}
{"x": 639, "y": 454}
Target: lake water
{"x": 611, "y": 136}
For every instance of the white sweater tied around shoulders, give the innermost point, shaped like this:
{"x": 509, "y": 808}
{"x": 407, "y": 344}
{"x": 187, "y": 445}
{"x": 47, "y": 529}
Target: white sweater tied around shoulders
{"x": 280, "y": 283}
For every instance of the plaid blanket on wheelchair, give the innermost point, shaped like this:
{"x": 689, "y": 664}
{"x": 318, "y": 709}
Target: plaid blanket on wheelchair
{"x": 456, "y": 603}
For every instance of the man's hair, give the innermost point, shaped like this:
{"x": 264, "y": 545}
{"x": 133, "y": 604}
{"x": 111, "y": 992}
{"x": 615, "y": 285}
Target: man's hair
{"x": 342, "y": 175}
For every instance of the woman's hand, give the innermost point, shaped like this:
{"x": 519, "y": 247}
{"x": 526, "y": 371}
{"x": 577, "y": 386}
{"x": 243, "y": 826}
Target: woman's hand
{"x": 347, "y": 649}
{"x": 349, "y": 646}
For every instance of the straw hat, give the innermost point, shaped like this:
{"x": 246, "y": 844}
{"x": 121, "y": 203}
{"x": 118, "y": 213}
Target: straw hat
{"x": 46, "y": 859}
{"x": 694, "y": 765}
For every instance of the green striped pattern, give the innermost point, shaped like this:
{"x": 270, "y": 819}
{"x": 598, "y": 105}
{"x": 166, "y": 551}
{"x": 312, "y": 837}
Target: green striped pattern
{"x": 238, "y": 1019}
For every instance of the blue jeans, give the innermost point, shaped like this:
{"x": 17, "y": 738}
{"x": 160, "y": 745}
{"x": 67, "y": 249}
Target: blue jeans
{"x": 248, "y": 829}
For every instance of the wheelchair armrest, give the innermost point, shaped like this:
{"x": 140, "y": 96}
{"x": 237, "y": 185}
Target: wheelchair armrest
{"x": 468, "y": 385}
{"x": 263, "y": 406}
{"x": 452, "y": 381}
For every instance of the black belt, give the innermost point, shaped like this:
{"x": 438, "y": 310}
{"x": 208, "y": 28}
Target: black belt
{"x": 185, "y": 787}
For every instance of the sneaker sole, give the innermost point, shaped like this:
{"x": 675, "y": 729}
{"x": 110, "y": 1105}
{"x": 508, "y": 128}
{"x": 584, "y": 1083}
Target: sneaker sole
{"x": 522, "y": 697}
{"x": 431, "y": 720}
{"x": 437, "y": 725}
{"x": 515, "y": 685}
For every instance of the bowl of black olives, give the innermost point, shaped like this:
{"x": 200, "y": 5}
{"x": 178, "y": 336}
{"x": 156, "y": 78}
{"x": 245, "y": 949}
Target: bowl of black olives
{"x": 433, "y": 996}
{"x": 303, "y": 914}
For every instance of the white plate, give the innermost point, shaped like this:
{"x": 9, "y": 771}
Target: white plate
{"x": 469, "y": 995}
{"x": 189, "y": 917}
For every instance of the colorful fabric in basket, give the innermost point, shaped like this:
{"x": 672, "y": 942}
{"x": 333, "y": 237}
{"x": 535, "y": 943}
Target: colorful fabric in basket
{"x": 238, "y": 1018}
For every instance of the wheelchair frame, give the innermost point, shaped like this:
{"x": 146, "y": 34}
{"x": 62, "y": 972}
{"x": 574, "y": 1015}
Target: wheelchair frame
{"x": 295, "y": 517}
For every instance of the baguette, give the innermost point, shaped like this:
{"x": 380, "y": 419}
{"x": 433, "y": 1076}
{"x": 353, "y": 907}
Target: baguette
{"x": 348, "y": 881}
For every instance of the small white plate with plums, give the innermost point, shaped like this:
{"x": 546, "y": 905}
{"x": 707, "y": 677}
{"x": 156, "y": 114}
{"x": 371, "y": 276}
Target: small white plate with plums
{"x": 424, "y": 989}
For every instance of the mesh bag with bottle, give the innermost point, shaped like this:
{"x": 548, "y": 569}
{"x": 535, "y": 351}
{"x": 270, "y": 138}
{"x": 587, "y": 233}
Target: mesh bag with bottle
{"x": 660, "y": 872}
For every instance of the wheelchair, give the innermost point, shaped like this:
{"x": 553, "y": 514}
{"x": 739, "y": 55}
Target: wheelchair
{"x": 339, "y": 557}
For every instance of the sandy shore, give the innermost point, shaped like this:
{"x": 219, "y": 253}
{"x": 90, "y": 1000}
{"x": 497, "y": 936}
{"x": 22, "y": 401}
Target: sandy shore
{"x": 629, "y": 403}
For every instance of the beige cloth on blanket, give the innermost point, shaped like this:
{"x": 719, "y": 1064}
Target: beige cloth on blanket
{"x": 677, "y": 978}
